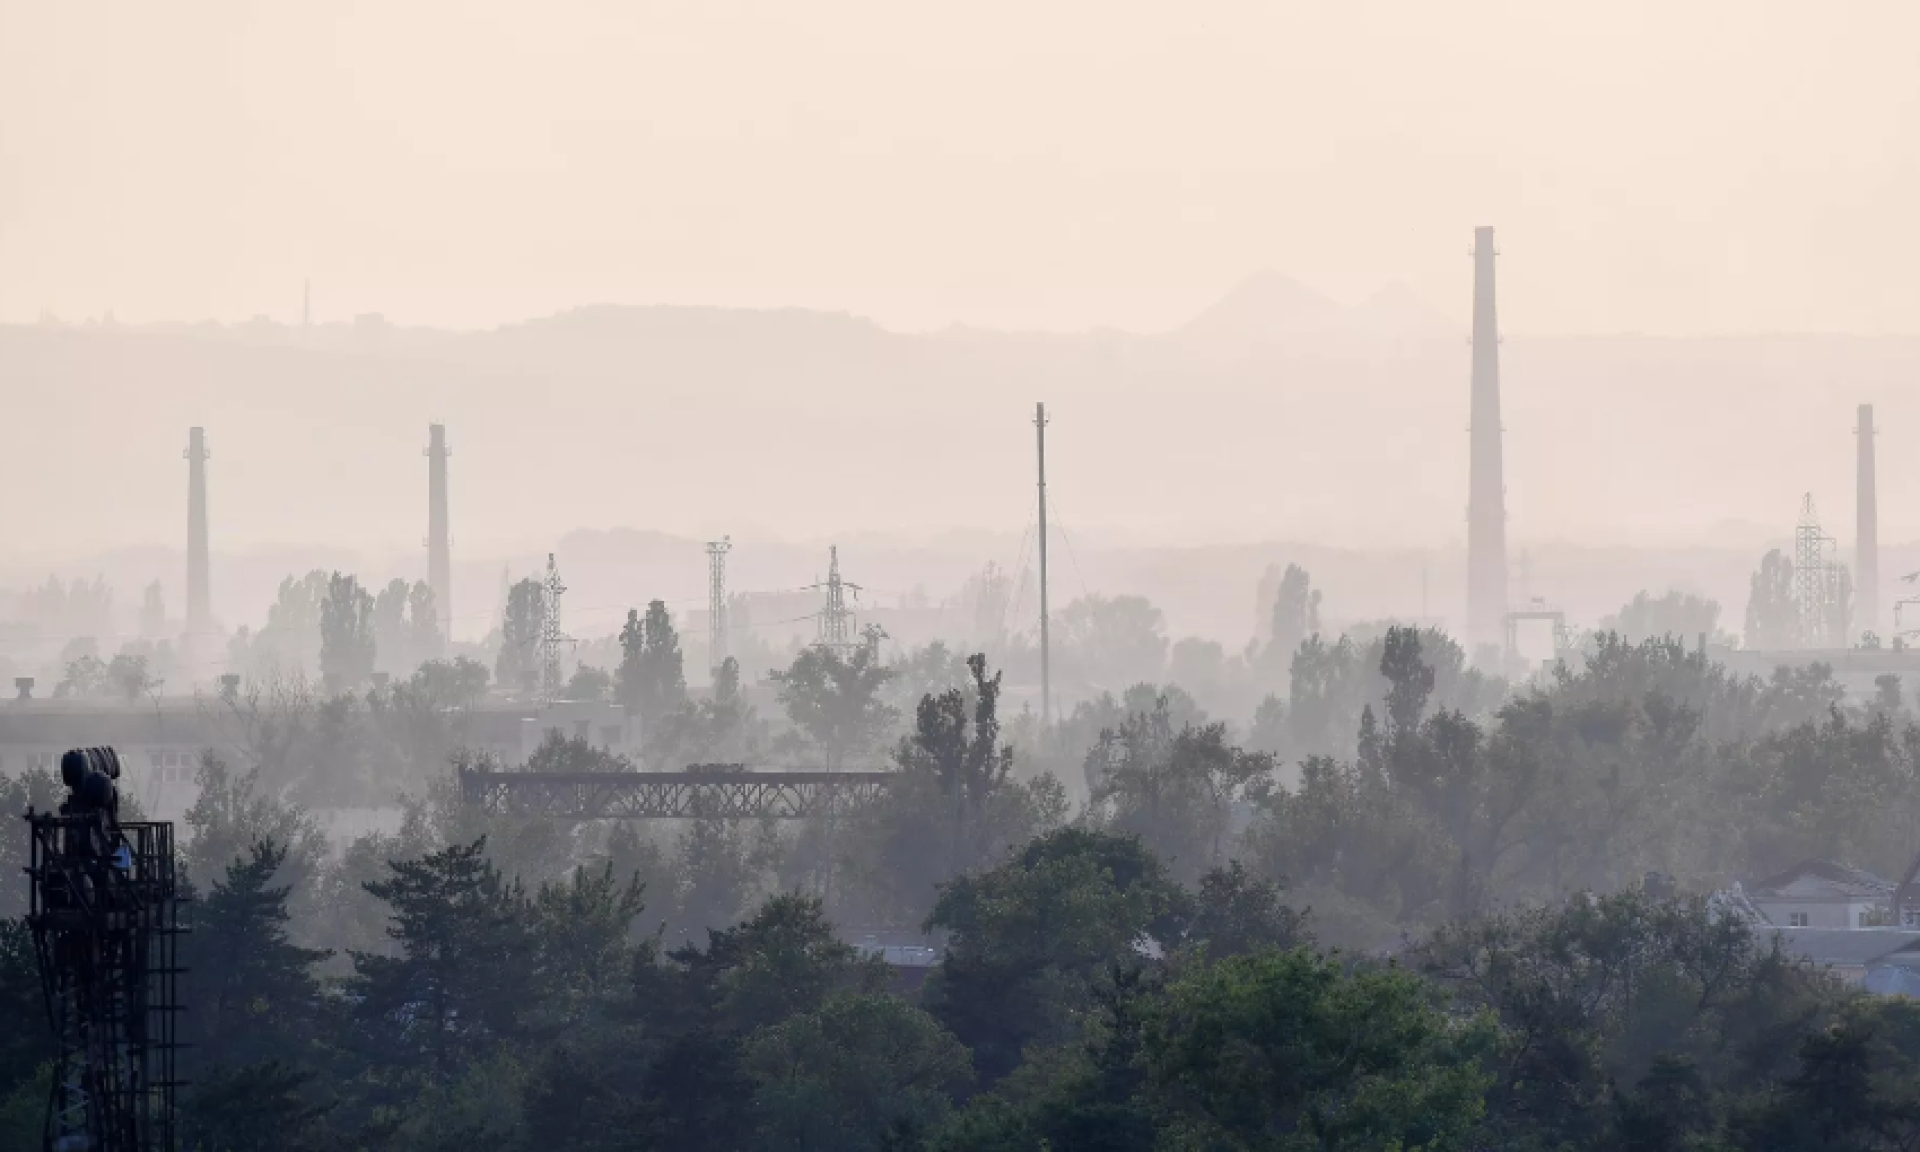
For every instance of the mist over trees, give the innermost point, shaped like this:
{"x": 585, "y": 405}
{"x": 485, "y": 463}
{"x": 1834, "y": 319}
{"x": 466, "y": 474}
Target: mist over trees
{"x": 1157, "y": 919}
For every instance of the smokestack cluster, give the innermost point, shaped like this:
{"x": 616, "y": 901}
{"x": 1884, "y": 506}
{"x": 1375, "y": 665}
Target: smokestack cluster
{"x": 1866, "y": 531}
{"x": 1486, "y": 483}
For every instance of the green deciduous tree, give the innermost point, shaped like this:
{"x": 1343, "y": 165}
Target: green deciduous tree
{"x": 1286, "y": 1050}
{"x": 860, "y": 1073}
{"x": 836, "y": 702}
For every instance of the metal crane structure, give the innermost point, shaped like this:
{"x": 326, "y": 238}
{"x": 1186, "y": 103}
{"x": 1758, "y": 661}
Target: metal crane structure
{"x": 104, "y": 913}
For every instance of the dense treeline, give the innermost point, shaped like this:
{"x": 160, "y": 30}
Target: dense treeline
{"x": 1440, "y": 939}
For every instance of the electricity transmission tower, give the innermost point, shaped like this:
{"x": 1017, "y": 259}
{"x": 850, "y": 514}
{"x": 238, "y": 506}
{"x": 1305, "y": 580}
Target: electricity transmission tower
{"x": 551, "y": 637}
{"x": 717, "y": 600}
{"x": 1818, "y": 582}
{"x": 836, "y": 619}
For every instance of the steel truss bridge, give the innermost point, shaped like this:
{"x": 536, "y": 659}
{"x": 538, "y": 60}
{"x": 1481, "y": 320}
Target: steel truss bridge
{"x": 727, "y": 791}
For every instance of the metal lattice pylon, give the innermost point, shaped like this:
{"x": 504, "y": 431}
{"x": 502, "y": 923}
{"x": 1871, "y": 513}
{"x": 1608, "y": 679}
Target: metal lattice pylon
{"x": 552, "y": 638}
{"x": 836, "y": 618}
{"x": 1817, "y": 581}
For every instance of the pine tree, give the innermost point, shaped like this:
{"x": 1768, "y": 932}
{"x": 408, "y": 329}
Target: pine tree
{"x": 253, "y": 990}
{"x": 465, "y": 962}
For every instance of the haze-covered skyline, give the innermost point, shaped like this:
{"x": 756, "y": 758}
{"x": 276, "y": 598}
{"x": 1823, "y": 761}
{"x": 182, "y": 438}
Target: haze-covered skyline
{"x": 1716, "y": 168}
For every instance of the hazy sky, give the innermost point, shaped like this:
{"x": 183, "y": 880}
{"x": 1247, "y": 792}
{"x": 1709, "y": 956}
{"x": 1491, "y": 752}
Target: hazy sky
{"x": 1726, "y": 166}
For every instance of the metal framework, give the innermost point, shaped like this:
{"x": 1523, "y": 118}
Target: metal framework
{"x": 1564, "y": 638}
{"x": 105, "y": 921}
{"x": 1817, "y": 582}
{"x": 836, "y": 619}
{"x": 726, "y": 791}
{"x": 552, "y": 684}
{"x": 717, "y": 600}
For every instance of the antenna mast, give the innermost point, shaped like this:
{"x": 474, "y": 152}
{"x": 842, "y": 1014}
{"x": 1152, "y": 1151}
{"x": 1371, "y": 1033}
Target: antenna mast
{"x": 717, "y": 600}
{"x": 1046, "y": 671}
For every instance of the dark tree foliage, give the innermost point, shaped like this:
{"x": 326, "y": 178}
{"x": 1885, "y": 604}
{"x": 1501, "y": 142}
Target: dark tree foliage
{"x": 1032, "y": 941}
{"x": 255, "y": 994}
{"x": 462, "y": 975}
{"x": 264, "y": 1107}
{"x": 28, "y": 1041}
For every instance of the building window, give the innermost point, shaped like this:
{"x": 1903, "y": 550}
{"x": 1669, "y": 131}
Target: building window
{"x": 609, "y": 735}
{"x": 1796, "y": 919}
{"x": 582, "y": 728}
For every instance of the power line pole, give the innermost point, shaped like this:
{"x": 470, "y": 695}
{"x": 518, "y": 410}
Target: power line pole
{"x": 1046, "y": 671}
{"x": 551, "y": 637}
{"x": 835, "y": 621}
{"x": 717, "y": 600}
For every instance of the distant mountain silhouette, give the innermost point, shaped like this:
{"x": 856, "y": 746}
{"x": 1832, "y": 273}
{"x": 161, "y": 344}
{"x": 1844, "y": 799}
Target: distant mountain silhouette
{"x": 1269, "y": 307}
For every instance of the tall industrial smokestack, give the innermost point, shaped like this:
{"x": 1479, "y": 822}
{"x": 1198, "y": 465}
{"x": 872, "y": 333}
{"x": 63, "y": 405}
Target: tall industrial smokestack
{"x": 199, "y": 594}
{"x": 1486, "y": 485}
{"x": 439, "y": 546}
{"x": 1867, "y": 532}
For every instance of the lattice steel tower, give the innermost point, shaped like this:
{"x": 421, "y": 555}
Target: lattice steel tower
{"x": 552, "y": 638}
{"x": 836, "y": 619}
{"x": 1817, "y": 582}
{"x": 717, "y": 600}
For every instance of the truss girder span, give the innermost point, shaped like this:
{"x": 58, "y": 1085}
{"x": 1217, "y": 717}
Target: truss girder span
{"x": 742, "y": 795}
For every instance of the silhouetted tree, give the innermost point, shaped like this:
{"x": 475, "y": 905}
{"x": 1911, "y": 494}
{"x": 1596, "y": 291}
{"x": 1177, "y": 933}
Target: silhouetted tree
{"x": 347, "y": 642}
{"x": 835, "y": 701}
{"x": 651, "y": 680}
{"x": 520, "y": 628}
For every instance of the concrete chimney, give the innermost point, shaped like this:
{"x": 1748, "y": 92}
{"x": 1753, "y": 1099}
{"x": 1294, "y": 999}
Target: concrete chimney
{"x": 199, "y": 589}
{"x": 1866, "y": 558}
{"x": 1486, "y": 482}
{"x": 439, "y": 541}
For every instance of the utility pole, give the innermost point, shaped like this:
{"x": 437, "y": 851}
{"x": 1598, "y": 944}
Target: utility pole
{"x": 1046, "y": 671}
{"x": 717, "y": 600}
{"x": 551, "y": 637}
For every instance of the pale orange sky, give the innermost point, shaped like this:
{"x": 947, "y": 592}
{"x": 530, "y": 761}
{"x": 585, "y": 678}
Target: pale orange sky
{"x": 1706, "y": 166}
